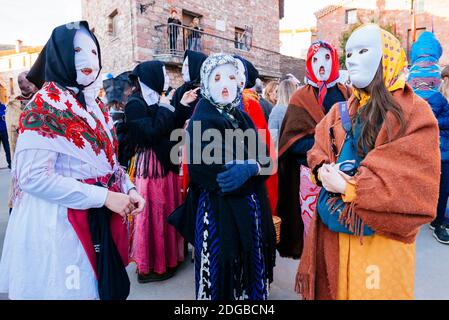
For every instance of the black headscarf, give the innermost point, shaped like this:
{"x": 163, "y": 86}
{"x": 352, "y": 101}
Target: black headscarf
{"x": 196, "y": 60}
{"x": 56, "y": 63}
{"x": 116, "y": 87}
{"x": 251, "y": 72}
{"x": 151, "y": 74}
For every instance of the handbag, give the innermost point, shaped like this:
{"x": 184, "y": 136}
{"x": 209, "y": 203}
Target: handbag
{"x": 330, "y": 206}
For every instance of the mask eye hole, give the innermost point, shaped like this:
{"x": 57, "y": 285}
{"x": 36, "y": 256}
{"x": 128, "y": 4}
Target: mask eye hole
{"x": 232, "y": 77}
{"x": 363, "y": 51}
{"x": 94, "y": 52}
{"x": 315, "y": 59}
{"x": 349, "y": 55}
{"x": 77, "y": 49}
{"x": 328, "y": 56}
{"x": 217, "y": 77}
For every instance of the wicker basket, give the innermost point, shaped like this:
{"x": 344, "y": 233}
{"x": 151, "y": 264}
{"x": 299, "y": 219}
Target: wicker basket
{"x": 277, "y": 225}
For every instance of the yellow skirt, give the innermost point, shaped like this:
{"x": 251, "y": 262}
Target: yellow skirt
{"x": 380, "y": 269}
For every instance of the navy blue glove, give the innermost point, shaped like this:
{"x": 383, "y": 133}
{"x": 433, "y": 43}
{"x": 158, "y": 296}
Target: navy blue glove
{"x": 236, "y": 174}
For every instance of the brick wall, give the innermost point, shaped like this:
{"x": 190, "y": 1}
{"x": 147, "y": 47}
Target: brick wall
{"x": 138, "y": 39}
{"x": 293, "y": 65}
{"x": 332, "y": 25}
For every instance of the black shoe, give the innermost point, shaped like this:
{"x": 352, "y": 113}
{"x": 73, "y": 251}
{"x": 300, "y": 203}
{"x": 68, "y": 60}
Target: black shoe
{"x": 435, "y": 224}
{"x": 155, "y": 277}
{"x": 441, "y": 234}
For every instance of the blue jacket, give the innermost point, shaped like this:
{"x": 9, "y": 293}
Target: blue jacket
{"x": 2, "y": 118}
{"x": 425, "y": 73}
{"x": 440, "y": 107}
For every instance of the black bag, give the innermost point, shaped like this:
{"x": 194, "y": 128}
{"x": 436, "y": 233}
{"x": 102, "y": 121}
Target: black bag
{"x": 113, "y": 281}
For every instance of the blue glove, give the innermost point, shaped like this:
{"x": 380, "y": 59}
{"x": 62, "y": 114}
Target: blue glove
{"x": 236, "y": 174}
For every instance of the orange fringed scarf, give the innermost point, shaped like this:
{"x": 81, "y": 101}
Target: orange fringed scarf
{"x": 397, "y": 189}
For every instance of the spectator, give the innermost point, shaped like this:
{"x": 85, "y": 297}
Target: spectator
{"x": 425, "y": 79}
{"x": 264, "y": 104}
{"x": 173, "y": 30}
{"x": 271, "y": 92}
{"x": 194, "y": 38}
{"x": 4, "y": 134}
{"x": 285, "y": 92}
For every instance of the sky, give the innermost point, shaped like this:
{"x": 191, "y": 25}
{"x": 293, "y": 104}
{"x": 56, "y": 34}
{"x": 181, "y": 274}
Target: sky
{"x": 32, "y": 21}
{"x": 300, "y": 13}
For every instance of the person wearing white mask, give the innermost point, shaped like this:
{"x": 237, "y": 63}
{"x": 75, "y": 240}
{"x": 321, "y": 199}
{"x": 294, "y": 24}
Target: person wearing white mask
{"x": 226, "y": 215}
{"x": 156, "y": 247}
{"x": 377, "y": 160}
{"x": 307, "y": 107}
{"x": 191, "y": 75}
{"x": 68, "y": 185}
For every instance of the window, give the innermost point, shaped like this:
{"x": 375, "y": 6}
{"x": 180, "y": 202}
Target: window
{"x": 240, "y": 39}
{"x": 418, "y": 6}
{"x": 351, "y": 16}
{"x": 113, "y": 23}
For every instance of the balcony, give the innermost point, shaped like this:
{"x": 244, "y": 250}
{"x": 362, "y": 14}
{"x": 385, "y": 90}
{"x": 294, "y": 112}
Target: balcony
{"x": 171, "y": 48}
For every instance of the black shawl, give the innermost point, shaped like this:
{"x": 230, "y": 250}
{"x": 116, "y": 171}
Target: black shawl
{"x": 234, "y": 215}
{"x": 56, "y": 62}
{"x": 251, "y": 72}
{"x": 196, "y": 60}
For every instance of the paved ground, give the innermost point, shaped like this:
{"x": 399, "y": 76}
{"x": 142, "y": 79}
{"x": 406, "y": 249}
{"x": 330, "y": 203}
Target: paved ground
{"x": 432, "y": 267}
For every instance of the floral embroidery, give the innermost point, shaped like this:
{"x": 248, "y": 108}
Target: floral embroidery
{"x": 51, "y": 122}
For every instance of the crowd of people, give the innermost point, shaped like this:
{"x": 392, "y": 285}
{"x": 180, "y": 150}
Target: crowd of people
{"x": 349, "y": 171}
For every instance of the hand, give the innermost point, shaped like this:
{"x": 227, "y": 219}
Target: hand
{"x": 119, "y": 203}
{"x": 137, "y": 200}
{"x": 236, "y": 174}
{"x": 189, "y": 97}
{"x": 165, "y": 100}
{"x": 337, "y": 167}
{"x": 332, "y": 179}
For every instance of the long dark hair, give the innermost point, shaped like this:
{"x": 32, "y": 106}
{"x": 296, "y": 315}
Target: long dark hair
{"x": 374, "y": 114}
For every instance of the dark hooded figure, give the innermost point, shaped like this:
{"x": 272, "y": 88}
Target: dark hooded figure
{"x": 71, "y": 193}
{"x": 192, "y": 78}
{"x": 156, "y": 247}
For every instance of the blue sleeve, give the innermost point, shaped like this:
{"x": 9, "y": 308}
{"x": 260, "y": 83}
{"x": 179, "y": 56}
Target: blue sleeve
{"x": 440, "y": 108}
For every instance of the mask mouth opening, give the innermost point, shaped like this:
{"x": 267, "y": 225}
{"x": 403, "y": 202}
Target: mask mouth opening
{"x": 225, "y": 93}
{"x": 87, "y": 71}
{"x": 322, "y": 71}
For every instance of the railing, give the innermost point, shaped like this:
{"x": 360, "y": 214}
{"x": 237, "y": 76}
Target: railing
{"x": 175, "y": 39}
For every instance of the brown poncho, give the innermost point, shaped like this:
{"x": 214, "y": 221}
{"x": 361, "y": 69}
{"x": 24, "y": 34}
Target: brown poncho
{"x": 397, "y": 190}
{"x": 303, "y": 114}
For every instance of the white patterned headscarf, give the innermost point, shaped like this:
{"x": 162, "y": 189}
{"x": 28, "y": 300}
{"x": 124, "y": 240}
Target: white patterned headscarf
{"x": 207, "y": 68}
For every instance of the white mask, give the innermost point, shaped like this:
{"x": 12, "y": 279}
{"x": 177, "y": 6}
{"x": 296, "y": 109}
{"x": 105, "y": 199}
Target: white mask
{"x": 150, "y": 96}
{"x": 185, "y": 70}
{"x": 322, "y": 64}
{"x": 91, "y": 93}
{"x": 86, "y": 58}
{"x": 363, "y": 55}
{"x": 223, "y": 84}
{"x": 242, "y": 73}
{"x": 166, "y": 80}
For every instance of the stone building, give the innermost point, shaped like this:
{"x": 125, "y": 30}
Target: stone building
{"x": 13, "y": 61}
{"x": 430, "y": 15}
{"x": 133, "y": 31}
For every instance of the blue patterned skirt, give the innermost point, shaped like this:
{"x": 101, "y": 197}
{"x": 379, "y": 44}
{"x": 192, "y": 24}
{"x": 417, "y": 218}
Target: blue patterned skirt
{"x": 219, "y": 280}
